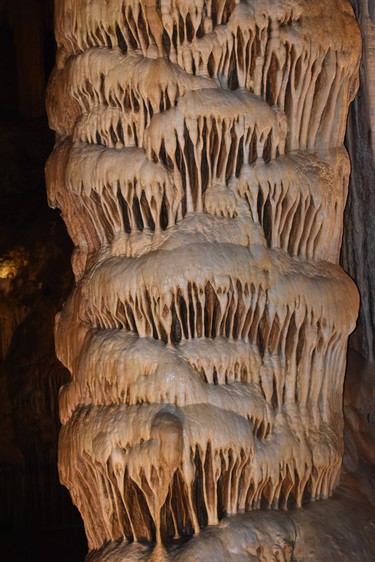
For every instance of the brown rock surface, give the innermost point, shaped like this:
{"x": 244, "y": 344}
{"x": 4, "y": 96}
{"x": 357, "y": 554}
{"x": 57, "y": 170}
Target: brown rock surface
{"x": 29, "y": 376}
{"x": 200, "y": 168}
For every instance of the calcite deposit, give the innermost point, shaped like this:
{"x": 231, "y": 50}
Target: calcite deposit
{"x": 200, "y": 169}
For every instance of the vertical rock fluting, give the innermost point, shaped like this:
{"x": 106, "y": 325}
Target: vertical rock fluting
{"x": 200, "y": 169}
{"x": 358, "y": 257}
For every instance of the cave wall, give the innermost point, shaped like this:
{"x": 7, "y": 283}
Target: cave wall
{"x": 358, "y": 255}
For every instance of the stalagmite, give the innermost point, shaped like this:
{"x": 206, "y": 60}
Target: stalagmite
{"x": 200, "y": 169}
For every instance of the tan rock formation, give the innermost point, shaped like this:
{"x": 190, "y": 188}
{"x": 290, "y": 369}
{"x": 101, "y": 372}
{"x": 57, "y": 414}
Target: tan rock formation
{"x": 200, "y": 170}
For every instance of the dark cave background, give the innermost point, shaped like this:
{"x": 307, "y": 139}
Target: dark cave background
{"x": 37, "y": 518}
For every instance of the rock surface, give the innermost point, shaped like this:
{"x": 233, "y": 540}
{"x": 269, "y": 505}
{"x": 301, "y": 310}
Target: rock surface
{"x": 358, "y": 257}
{"x": 200, "y": 168}
{"x": 29, "y": 426}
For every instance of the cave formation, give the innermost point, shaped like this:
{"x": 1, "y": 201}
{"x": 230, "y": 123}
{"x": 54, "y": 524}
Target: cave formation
{"x": 200, "y": 169}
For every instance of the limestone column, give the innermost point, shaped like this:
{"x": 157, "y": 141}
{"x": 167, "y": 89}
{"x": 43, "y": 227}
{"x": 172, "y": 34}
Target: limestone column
{"x": 200, "y": 169}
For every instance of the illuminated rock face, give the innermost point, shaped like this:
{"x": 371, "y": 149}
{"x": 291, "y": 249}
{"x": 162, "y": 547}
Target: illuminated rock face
{"x": 200, "y": 170}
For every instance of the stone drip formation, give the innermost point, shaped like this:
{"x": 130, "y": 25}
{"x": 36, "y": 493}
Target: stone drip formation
{"x": 200, "y": 170}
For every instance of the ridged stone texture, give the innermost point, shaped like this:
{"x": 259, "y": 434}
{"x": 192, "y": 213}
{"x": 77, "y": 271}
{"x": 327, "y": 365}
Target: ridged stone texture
{"x": 200, "y": 169}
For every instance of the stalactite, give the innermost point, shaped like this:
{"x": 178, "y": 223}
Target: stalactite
{"x": 200, "y": 170}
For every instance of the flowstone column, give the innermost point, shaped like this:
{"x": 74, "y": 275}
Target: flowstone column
{"x": 200, "y": 170}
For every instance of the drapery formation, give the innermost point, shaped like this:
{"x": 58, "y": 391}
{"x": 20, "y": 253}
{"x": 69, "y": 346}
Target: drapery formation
{"x": 200, "y": 169}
